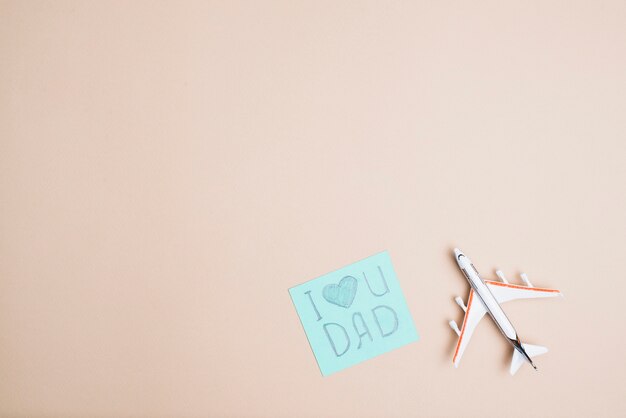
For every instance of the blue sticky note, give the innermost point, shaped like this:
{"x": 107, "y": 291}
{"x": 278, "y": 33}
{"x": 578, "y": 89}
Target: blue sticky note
{"x": 354, "y": 313}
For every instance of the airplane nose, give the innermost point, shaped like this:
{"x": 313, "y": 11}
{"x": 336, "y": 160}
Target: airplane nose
{"x": 457, "y": 253}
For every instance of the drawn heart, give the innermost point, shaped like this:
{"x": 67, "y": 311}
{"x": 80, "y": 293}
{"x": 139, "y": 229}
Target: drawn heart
{"x": 341, "y": 294}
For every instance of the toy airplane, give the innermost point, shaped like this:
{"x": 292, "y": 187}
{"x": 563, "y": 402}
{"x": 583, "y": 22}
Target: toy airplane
{"x": 485, "y": 297}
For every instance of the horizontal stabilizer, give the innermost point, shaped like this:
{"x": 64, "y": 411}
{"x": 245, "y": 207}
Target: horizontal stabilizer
{"x": 534, "y": 350}
{"x": 519, "y": 359}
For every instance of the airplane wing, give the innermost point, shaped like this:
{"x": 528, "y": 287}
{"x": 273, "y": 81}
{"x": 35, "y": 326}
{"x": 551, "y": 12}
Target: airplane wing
{"x": 473, "y": 314}
{"x": 505, "y": 292}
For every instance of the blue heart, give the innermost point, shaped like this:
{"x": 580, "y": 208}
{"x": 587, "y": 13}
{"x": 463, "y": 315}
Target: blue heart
{"x": 341, "y": 294}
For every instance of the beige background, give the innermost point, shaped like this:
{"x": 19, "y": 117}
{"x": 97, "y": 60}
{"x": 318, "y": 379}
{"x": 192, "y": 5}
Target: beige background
{"x": 168, "y": 170}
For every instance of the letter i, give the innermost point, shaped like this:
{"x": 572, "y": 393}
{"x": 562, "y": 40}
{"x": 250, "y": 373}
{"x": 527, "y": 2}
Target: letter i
{"x": 308, "y": 293}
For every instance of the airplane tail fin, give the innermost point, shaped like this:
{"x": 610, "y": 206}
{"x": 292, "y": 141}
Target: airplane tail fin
{"x": 519, "y": 359}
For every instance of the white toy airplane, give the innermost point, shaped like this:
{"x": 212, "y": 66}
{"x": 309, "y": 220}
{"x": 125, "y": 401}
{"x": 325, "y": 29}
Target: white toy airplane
{"x": 485, "y": 297}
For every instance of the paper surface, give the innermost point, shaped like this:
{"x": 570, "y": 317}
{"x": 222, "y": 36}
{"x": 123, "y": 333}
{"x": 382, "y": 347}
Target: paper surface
{"x": 354, "y": 313}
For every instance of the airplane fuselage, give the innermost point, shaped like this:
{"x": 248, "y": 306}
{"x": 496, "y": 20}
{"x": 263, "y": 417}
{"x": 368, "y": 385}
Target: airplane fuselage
{"x": 490, "y": 303}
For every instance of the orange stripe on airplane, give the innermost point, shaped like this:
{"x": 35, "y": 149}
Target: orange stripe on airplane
{"x": 514, "y": 286}
{"x": 469, "y": 305}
